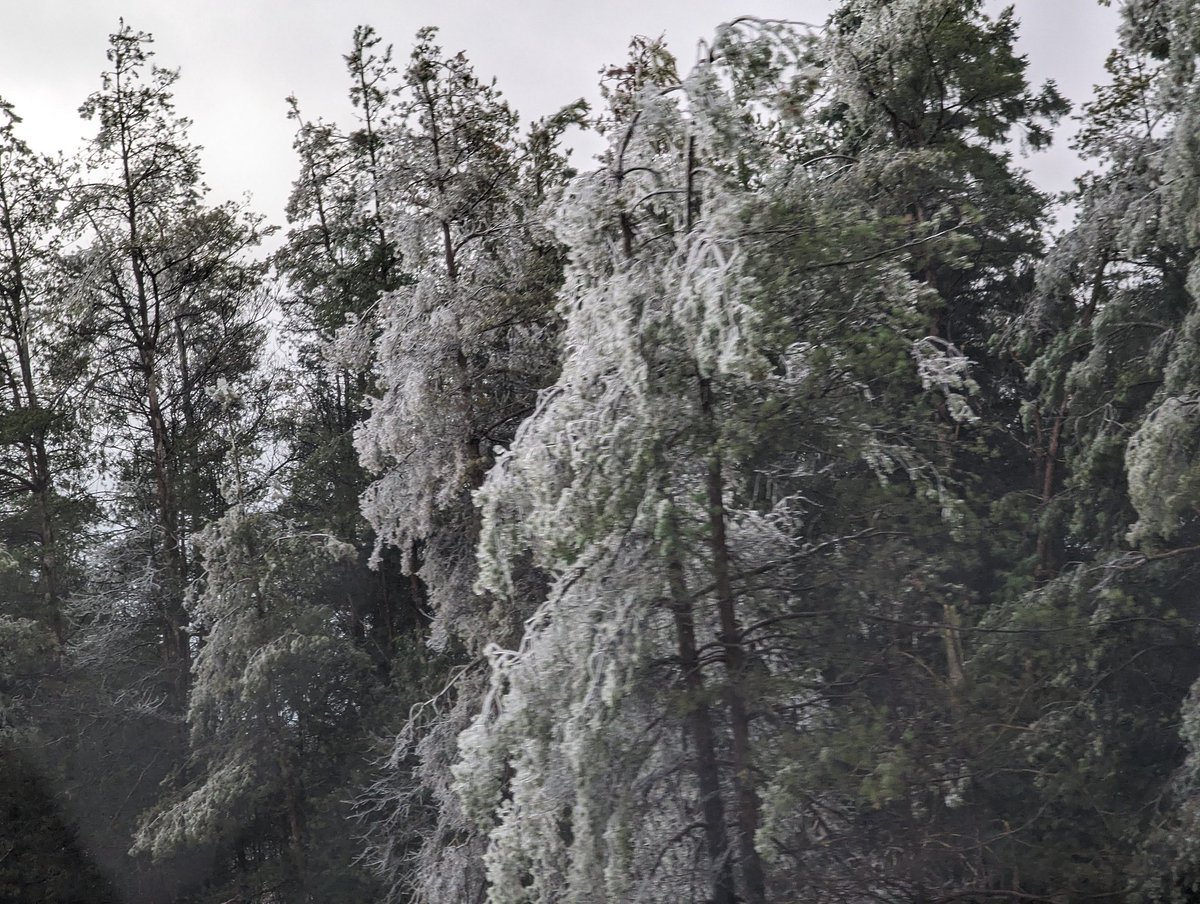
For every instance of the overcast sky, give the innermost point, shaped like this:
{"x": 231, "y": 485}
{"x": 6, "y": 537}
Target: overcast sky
{"x": 241, "y": 58}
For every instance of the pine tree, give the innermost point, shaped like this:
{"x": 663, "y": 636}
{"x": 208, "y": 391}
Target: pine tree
{"x": 174, "y": 306}
{"x": 276, "y": 705}
{"x": 463, "y": 348}
{"x": 630, "y": 485}
{"x": 459, "y": 354}
{"x": 919, "y": 101}
{"x": 336, "y": 264}
{"x": 1110, "y": 333}
{"x": 40, "y": 362}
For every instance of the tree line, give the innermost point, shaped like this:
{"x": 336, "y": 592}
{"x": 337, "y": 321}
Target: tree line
{"x": 769, "y": 509}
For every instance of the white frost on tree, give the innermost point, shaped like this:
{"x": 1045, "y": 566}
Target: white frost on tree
{"x": 568, "y": 763}
{"x": 461, "y": 349}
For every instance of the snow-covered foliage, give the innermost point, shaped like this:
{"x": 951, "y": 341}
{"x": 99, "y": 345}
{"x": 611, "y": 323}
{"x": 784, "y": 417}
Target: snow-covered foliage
{"x": 567, "y": 766}
{"x": 272, "y": 682}
{"x": 944, "y": 369}
{"x": 424, "y": 845}
{"x": 1162, "y": 464}
{"x": 566, "y": 762}
{"x": 761, "y": 516}
{"x": 461, "y": 349}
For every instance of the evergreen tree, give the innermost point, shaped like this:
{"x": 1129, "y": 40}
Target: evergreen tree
{"x": 40, "y": 359}
{"x": 710, "y": 392}
{"x": 276, "y": 704}
{"x": 460, "y": 351}
{"x": 43, "y": 421}
{"x": 919, "y": 101}
{"x": 336, "y": 264}
{"x": 459, "y": 355}
{"x": 172, "y": 307}
{"x": 1106, "y": 642}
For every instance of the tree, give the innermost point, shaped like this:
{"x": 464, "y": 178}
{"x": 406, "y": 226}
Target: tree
{"x": 39, "y": 360}
{"x": 752, "y": 407}
{"x": 42, "y": 449}
{"x": 463, "y": 349}
{"x": 917, "y": 103}
{"x": 1110, "y": 334}
{"x": 175, "y": 306}
{"x": 336, "y": 264}
{"x": 276, "y": 706}
{"x": 617, "y": 486}
{"x": 459, "y": 355}
{"x": 172, "y": 306}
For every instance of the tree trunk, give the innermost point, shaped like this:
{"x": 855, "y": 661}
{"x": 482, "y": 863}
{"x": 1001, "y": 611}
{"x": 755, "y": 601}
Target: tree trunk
{"x": 748, "y": 806}
{"x": 699, "y": 721}
{"x": 176, "y": 641}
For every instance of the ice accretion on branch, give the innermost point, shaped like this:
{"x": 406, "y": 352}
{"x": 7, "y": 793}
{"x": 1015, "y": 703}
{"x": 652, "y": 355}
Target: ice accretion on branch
{"x": 1162, "y": 465}
{"x": 564, "y": 766}
{"x": 562, "y": 729}
{"x": 944, "y": 369}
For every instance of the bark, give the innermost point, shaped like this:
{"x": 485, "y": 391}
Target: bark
{"x": 748, "y": 805}
{"x": 699, "y": 720}
{"x": 1046, "y": 565}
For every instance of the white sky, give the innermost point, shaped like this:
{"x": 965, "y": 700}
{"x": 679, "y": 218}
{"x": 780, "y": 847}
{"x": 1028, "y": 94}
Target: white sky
{"x": 241, "y": 58}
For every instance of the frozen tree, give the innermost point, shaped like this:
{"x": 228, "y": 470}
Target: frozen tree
{"x": 460, "y": 349}
{"x": 335, "y": 264}
{"x": 275, "y": 706}
{"x": 759, "y": 380}
{"x": 1109, "y": 333}
{"x": 616, "y": 486}
{"x": 170, "y": 304}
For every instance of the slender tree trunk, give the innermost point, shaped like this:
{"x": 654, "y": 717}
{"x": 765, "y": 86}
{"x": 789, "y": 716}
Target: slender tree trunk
{"x": 296, "y": 841}
{"x": 703, "y": 737}
{"x": 176, "y": 641}
{"x": 148, "y": 317}
{"x": 952, "y": 639}
{"x": 1045, "y": 566}
{"x": 748, "y": 806}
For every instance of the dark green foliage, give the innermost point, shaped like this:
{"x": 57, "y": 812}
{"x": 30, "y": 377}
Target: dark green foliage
{"x": 41, "y": 858}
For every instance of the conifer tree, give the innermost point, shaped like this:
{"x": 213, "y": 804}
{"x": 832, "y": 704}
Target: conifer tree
{"x": 174, "y": 306}
{"x": 336, "y": 264}
{"x": 920, "y": 102}
{"x": 40, "y": 363}
{"x": 633, "y": 486}
{"x": 276, "y": 704}
{"x": 746, "y": 273}
{"x": 1111, "y": 338}
{"x": 459, "y": 353}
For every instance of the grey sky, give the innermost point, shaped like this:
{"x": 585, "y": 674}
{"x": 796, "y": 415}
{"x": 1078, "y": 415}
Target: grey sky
{"x": 240, "y": 59}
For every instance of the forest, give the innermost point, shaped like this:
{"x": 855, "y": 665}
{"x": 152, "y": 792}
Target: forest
{"x": 774, "y": 508}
